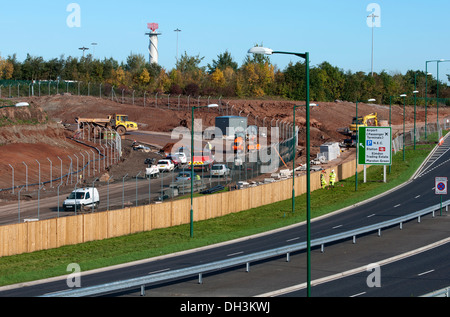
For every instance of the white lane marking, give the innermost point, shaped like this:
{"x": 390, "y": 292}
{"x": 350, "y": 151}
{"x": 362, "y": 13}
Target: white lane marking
{"x": 293, "y": 239}
{"x": 235, "y": 253}
{"x": 159, "y": 271}
{"x": 369, "y": 216}
{"x": 337, "y": 227}
{"x": 358, "y": 294}
{"x": 417, "y": 196}
{"x": 397, "y": 205}
{"x": 423, "y": 273}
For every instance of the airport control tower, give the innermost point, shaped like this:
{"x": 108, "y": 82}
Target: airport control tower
{"x": 153, "y": 46}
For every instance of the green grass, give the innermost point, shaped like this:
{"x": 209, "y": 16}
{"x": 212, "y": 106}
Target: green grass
{"x": 96, "y": 254}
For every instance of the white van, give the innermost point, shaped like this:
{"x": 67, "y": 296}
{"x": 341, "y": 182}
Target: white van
{"x": 82, "y": 199}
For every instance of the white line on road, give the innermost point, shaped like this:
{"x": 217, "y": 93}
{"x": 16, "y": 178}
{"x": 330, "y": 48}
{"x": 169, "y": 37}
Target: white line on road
{"x": 397, "y": 205}
{"x": 159, "y": 271}
{"x": 423, "y": 273}
{"x": 369, "y": 216}
{"x": 337, "y": 227}
{"x": 293, "y": 239}
{"x": 232, "y": 254}
{"x": 358, "y": 294}
{"x": 417, "y": 196}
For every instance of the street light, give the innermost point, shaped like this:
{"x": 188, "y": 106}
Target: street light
{"x": 437, "y": 61}
{"x": 437, "y": 91}
{"x": 192, "y": 165}
{"x": 415, "y": 92}
{"x": 426, "y": 102}
{"x": 404, "y": 105}
{"x": 357, "y": 143}
{"x": 268, "y": 51}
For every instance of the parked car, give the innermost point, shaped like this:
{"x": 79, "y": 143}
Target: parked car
{"x": 165, "y": 165}
{"x": 175, "y": 160}
{"x": 220, "y": 170}
{"x": 82, "y": 199}
{"x": 182, "y": 157}
{"x": 184, "y": 176}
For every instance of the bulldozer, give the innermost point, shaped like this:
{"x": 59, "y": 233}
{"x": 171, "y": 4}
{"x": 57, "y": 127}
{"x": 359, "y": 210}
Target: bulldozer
{"x": 117, "y": 122}
{"x": 370, "y": 120}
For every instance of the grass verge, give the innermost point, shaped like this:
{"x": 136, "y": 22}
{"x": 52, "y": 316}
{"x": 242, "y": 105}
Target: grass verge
{"x": 96, "y": 254}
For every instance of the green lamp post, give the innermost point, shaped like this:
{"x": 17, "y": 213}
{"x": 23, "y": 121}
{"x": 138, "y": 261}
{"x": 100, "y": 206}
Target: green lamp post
{"x": 268, "y": 51}
{"x": 357, "y": 143}
{"x": 192, "y": 165}
{"x": 404, "y": 105}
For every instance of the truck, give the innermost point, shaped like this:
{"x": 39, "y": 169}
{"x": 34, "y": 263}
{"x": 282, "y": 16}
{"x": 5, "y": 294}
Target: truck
{"x": 202, "y": 160}
{"x": 117, "y": 122}
{"x": 366, "y": 121}
{"x": 82, "y": 199}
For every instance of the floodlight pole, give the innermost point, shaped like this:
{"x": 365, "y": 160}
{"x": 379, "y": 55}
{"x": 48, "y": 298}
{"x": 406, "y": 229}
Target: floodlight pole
{"x": 373, "y": 16}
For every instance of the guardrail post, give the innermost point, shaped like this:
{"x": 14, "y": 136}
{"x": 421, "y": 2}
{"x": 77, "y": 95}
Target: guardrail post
{"x": 418, "y": 219}
{"x": 379, "y": 232}
{"x": 200, "y": 278}
{"x": 288, "y": 257}
{"x": 247, "y": 267}
{"x": 401, "y": 225}
{"x": 322, "y": 248}
{"x": 354, "y": 239}
{"x": 142, "y": 290}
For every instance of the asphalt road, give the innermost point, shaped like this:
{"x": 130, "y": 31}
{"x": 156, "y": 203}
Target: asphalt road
{"x": 413, "y": 276}
{"x": 412, "y": 196}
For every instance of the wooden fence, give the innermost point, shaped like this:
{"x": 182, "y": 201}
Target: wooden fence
{"x": 57, "y": 232}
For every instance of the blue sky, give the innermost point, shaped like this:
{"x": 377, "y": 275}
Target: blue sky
{"x": 336, "y": 31}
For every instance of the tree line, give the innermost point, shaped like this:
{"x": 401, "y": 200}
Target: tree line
{"x": 256, "y": 77}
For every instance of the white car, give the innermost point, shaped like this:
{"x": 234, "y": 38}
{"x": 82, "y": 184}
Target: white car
{"x": 165, "y": 166}
{"x": 220, "y": 170}
{"x": 181, "y": 156}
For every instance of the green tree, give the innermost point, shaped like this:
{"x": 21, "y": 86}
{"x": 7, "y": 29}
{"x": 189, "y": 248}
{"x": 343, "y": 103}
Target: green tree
{"x": 224, "y": 60}
{"x": 189, "y": 64}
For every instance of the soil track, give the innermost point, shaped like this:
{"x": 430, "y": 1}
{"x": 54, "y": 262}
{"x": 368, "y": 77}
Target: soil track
{"x": 45, "y": 142}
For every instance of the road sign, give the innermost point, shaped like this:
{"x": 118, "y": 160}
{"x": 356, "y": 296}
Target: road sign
{"x": 440, "y": 187}
{"x": 375, "y": 145}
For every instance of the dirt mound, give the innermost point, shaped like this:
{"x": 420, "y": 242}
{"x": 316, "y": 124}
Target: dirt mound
{"x": 32, "y": 114}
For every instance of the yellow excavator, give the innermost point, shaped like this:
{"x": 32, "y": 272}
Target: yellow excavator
{"x": 371, "y": 120}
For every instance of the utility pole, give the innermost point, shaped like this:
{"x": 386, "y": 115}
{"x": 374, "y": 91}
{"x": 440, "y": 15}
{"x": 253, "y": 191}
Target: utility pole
{"x": 373, "y": 16}
{"x": 83, "y": 49}
{"x": 178, "y": 31}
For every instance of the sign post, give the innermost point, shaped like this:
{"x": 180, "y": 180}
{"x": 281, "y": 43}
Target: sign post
{"x": 375, "y": 146}
{"x": 440, "y": 188}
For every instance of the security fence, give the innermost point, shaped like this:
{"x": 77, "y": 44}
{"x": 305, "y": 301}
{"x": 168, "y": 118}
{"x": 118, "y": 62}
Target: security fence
{"x": 429, "y": 132}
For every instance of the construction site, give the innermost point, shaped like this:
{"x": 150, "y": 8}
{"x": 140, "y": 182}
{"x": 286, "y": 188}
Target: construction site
{"x": 42, "y": 136}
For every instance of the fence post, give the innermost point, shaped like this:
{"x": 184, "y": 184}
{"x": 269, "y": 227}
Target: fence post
{"x": 19, "y": 202}
{"x": 123, "y": 190}
{"x": 12, "y": 178}
{"x": 26, "y": 175}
